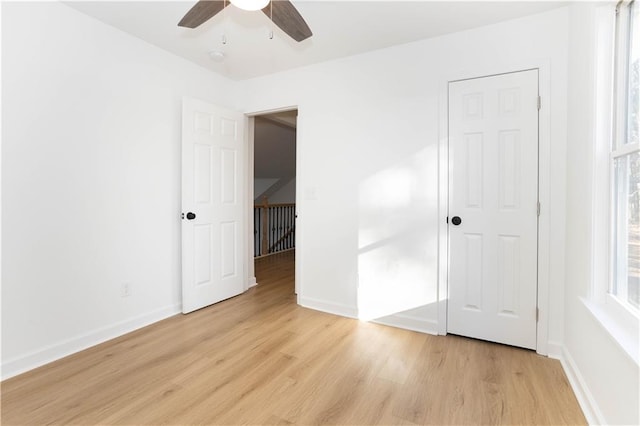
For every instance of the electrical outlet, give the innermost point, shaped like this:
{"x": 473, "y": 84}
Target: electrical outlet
{"x": 126, "y": 289}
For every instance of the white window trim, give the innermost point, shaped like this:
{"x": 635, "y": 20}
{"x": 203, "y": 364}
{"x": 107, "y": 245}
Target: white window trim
{"x": 621, "y": 323}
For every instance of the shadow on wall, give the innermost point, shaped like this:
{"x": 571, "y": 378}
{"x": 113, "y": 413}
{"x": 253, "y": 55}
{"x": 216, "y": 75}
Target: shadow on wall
{"x": 397, "y": 245}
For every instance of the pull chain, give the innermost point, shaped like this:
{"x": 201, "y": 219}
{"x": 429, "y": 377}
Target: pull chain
{"x": 224, "y": 19}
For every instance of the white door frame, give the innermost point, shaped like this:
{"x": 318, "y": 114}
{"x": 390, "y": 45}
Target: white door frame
{"x": 250, "y": 122}
{"x": 544, "y": 221}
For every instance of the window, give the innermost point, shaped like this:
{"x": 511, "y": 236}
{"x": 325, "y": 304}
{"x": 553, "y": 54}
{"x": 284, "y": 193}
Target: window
{"x": 615, "y": 254}
{"x": 625, "y": 159}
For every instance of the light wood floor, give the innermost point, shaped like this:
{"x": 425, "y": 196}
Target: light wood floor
{"x": 261, "y": 359}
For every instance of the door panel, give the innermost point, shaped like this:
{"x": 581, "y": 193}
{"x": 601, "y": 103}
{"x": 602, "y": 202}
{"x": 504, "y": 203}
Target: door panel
{"x": 202, "y": 173}
{"x": 228, "y": 241}
{"x": 473, "y": 169}
{"x": 473, "y": 278}
{"x": 493, "y": 188}
{"x": 229, "y": 172}
{"x": 212, "y": 178}
{"x": 509, "y": 167}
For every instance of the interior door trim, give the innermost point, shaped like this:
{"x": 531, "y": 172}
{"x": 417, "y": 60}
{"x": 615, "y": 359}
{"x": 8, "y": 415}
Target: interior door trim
{"x": 543, "y": 345}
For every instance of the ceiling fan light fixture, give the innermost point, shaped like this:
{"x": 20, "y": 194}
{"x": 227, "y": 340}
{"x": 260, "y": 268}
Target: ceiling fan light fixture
{"x": 283, "y": 15}
{"x": 250, "y": 4}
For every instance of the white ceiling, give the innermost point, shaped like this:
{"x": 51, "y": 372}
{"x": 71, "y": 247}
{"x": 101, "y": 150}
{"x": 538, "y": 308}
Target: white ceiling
{"x": 340, "y": 28}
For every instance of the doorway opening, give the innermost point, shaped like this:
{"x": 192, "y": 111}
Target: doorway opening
{"x": 274, "y": 193}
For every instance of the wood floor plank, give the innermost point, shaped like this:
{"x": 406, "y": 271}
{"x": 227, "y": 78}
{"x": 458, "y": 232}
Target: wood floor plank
{"x": 261, "y": 359}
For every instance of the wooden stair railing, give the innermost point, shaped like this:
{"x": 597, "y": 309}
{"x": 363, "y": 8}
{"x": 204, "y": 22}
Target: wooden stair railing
{"x": 272, "y": 248}
{"x": 274, "y": 227}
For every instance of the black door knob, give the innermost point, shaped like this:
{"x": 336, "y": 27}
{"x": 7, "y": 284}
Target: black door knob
{"x": 191, "y": 216}
{"x": 455, "y": 220}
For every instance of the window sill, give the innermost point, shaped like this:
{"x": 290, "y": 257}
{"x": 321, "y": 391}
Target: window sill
{"x": 620, "y": 324}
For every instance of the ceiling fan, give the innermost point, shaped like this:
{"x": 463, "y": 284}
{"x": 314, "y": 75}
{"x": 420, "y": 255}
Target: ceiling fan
{"x": 281, "y": 12}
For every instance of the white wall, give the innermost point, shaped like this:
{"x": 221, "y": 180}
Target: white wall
{"x": 368, "y": 135}
{"x": 274, "y": 149}
{"x": 286, "y": 194}
{"x": 260, "y": 185}
{"x": 90, "y": 180}
{"x": 607, "y": 376}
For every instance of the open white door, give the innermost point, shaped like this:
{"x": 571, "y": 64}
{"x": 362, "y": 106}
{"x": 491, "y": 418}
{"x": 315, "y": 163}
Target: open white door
{"x": 493, "y": 196}
{"x": 213, "y": 225}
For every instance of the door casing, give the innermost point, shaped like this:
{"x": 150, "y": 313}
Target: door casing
{"x": 543, "y": 346}
{"x": 250, "y": 123}
{"x": 501, "y": 221}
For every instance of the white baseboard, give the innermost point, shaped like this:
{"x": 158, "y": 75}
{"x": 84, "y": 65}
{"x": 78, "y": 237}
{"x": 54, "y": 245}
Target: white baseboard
{"x": 409, "y": 323}
{"x": 399, "y": 320}
{"x": 554, "y": 350}
{"x": 54, "y": 352}
{"x": 328, "y": 307}
{"x": 252, "y": 282}
{"x": 588, "y": 404}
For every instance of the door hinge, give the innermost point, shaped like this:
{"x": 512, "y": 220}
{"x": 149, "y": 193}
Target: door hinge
{"x": 537, "y": 314}
{"x": 539, "y": 103}
{"x": 538, "y": 209}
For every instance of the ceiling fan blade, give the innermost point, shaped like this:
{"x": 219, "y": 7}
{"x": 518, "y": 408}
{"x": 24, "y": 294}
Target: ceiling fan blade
{"x": 201, "y": 12}
{"x": 287, "y": 17}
